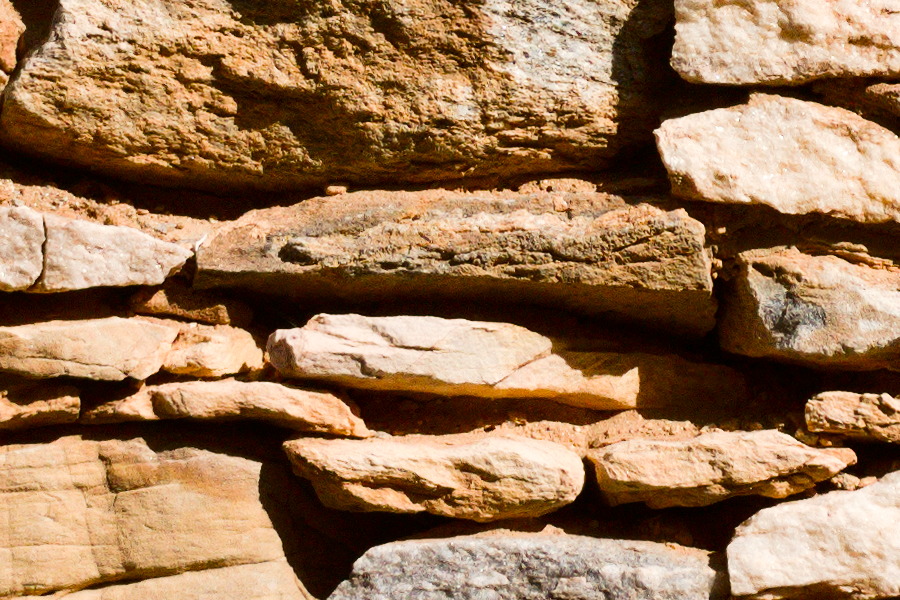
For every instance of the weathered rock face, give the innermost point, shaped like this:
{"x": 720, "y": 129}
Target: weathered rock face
{"x": 21, "y": 254}
{"x": 106, "y": 349}
{"x": 271, "y": 96}
{"x": 11, "y": 29}
{"x": 755, "y": 41}
{"x": 866, "y": 416}
{"x": 531, "y": 567}
{"x": 456, "y": 357}
{"x": 468, "y": 477}
{"x": 586, "y": 252}
{"x": 800, "y": 549}
{"x": 213, "y": 351}
{"x": 816, "y": 310}
{"x": 795, "y": 156}
{"x": 712, "y": 467}
{"x": 84, "y": 512}
{"x": 175, "y": 300}
{"x": 24, "y": 407}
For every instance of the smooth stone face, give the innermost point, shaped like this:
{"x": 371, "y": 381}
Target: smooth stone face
{"x": 21, "y": 243}
{"x": 531, "y": 567}
{"x": 581, "y": 251}
{"x": 712, "y": 467}
{"x": 213, "y": 351}
{"x": 785, "y": 42}
{"x": 820, "y": 311}
{"x": 837, "y": 545}
{"x": 81, "y": 255}
{"x": 467, "y": 477}
{"x": 243, "y": 94}
{"x": 795, "y": 156}
{"x": 108, "y": 349}
{"x": 864, "y": 416}
{"x": 38, "y": 406}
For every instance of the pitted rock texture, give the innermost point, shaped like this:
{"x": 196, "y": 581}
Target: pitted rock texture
{"x": 467, "y": 477}
{"x": 81, "y": 512}
{"x": 228, "y": 399}
{"x": 785, "y": 42}
{"x": 277, "y": 95}
{"x": 587, "y": 252}
{"x": 456, "y": 357}
{"x": 712, "y": 467}
{"x": 27, "y": 406}
{"x": 795, "y": 156}
{"x": 213, "y": 351}
{"x": 837, "y": 545}
{"x": 821, "y": 311}
{"x": 21, "y": 253}
{"x": 865, "y": 416}
{"x": 531, "y": 567}
{"x": 109, "y": 349}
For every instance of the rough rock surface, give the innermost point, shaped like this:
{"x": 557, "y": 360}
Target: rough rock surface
{"x": 713, "y": 467}
{"x": 838, "y": 545}
{"x": 216, "y": 92}
{"x": 758, "y": 41}
{"x": 213, "y": 351}
{"x": 82, "y": 512}
{"x": 11, "y": 29}
{"x": 795, "y": 156}
{"x": 468, "y": 477}
{"x": 817, "y": 310}
{"x": 173, "y": 300}
{"x": 587, "y": 252}
{"x": 531, "y": 567}
{"x": 456, "y": 357}
{"x": 228, "y": 399}
{"x": 21, "y": 247}
{"x": 36, "y": 406}
{"x": 866, "y": 416}
{"x": 106, "y": 349}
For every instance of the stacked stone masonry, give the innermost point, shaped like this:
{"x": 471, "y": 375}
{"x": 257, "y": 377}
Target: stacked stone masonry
{"x": 444, "y": 301}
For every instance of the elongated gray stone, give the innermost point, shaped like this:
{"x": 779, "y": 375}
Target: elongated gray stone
{"x": 532, "y": 567}
{"x": 21, "y": 253}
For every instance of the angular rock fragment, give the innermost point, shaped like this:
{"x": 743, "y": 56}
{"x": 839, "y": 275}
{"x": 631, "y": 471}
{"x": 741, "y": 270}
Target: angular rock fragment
{"x": 795, "y": 156}
{"x": 532, "y": 567}
{"x": 25, "y": 407}
{"x": 837, "y": 545}
{"x": 712, "y": 467}
{"x": 816, "y": 310}
{"x": 21, "y": 242}
{"x": 228, "y": 399}
{"x": 174, "y": 300}
{"x": 80, "y": 254}
{"x": 11, "y": 29}
{"x": 455, "y": 357}
{"x": 865, "y": 416}
{"x": 106, "y": 349}
{"x": 80, "y": 512}
{"x": 586, "y": 252}
{"x": 213, "y": 351}
{"x": 468, "y": 477}
{"x": 757, "y": 41}
{"x": 261, "y": 95}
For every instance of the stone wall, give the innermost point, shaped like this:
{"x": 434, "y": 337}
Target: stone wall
{"x": 407, "y": 300}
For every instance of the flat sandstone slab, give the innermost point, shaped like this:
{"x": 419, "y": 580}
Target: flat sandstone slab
{"x": 794, "y": 156}
{"x": 863, "y": 416}
{"x": 712, "y": 467}
{"x": 837, "y": 545}
{"x": 586, "y": 252}
{"x": 472, "y": 477}
{"x": 532, "y": 567}
{"x": 778, "y": 43}
{"x": 261, "y": 95}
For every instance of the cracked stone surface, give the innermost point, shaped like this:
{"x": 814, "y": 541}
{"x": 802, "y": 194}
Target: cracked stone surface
{"x": 713, "y": 467}
{"x": 532, "y": 567}
{"x": 467, "y": 476}
{"x": 863, "y": 416}
{"x": 785, "y": 42}
{"x": 21, "y": 248}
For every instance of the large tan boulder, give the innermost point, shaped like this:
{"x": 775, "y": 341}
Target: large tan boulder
{"x": 213, "y": 351}
{"x": 582, "y": 251}
{"x": 864, "y": 416}
{"x": 713, "y": 467}
{"x": 472, "y": 477}
{"x": 785, "y": 42}
{"x": 821, "y": 311}
{"x": 108, "y": 349}
{"x": 837, "y": 545}
{"x": 216, "y": 93}
{"x": 21, "y": 248}
{"x": 456, "y": 357}
{"x": 795, "y": 156}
